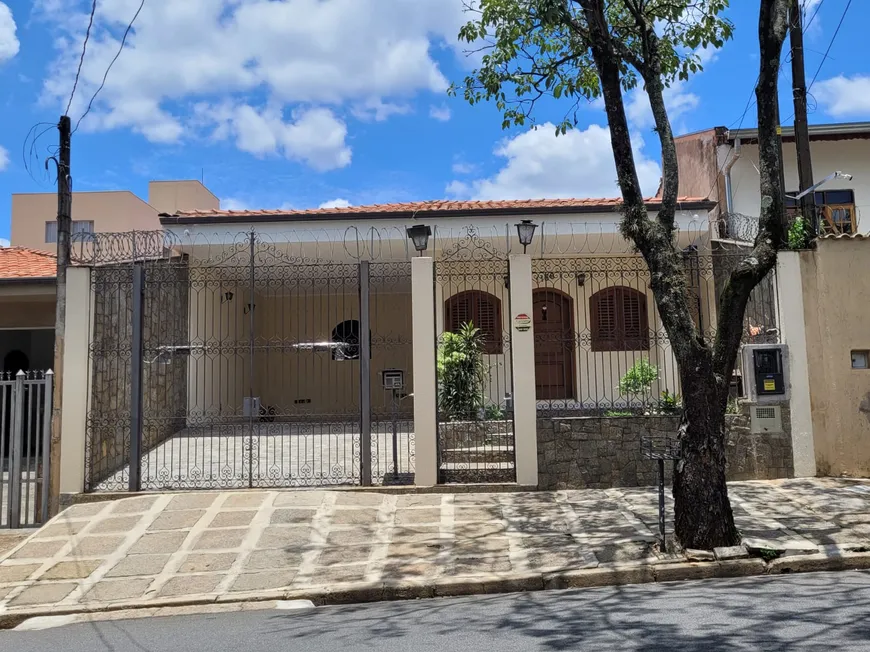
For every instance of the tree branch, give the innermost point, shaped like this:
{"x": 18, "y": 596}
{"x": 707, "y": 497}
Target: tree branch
{"x": 772, "y": 29}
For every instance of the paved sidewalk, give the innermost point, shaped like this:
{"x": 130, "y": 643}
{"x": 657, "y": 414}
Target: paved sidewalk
{"x": 230, "y": 546}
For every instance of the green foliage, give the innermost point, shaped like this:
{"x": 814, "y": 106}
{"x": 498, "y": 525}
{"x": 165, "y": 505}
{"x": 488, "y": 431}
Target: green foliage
{"x": 669, "y": 403}
{"x": 733, "y": 406}
{"x": 462, "y": 374}
{"x": 619, "y": 413}
{"x": 638, "y": 380}
{"x": 537, "y": 48}
{"x": 493, "y": 412}
{"x": 800, "y": 234}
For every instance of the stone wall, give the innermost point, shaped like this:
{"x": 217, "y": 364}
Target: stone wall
{"x": 604, "y": 452}
{"x": 164, "y": 385}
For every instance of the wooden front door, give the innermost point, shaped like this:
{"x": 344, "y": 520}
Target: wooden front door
{"x": 554, "y": 344}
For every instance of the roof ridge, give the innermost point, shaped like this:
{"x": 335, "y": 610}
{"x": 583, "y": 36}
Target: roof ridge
{"x": 29, "y": 250}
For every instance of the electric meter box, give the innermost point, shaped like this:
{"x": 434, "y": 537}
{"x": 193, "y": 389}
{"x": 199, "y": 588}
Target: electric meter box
{"x": 765, "y": 372}
{"x": 393, "y": 378}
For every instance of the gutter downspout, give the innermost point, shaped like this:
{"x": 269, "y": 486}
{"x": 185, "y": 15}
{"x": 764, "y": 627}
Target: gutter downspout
{"x": 729, "y": 198}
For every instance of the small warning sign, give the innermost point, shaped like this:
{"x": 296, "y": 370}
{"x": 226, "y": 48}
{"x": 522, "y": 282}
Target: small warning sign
{"x": 522, "y": 322}
{"x": 769, "y": 385}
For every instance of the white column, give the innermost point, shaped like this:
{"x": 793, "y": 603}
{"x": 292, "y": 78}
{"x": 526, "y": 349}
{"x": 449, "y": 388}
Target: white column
{"x": 523, "y": 372}
{"x": 794, "y": 333}
{"x": 425, "y": 384}
{"x": 76, "y": 374}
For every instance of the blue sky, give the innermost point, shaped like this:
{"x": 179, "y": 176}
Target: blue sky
{"x": 304, "y": 102}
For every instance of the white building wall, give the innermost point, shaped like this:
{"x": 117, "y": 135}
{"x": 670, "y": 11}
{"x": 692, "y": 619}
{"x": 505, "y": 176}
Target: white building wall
{"x": 849, "y": 156}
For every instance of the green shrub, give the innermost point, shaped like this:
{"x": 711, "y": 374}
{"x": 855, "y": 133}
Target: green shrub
{"x": 638, "y": 380}
{"x": 670, "y": 403}
{"x": 462, "y": 374}
{"x": 800, "y": 234}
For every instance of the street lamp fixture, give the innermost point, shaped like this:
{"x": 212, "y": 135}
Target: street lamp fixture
{"x": 526, "y": 232}
{"x": 419, "y": 235}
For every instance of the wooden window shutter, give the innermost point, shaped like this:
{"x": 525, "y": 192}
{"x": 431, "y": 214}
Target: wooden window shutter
{"x": 619, "y": 320}
{"x": 481, "y": 309}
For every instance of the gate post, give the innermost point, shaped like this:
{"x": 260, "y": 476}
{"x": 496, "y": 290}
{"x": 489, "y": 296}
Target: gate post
{"x": 76, "y": 386}
{"x": 425, "y": 383}
{"x": 523, "y": 372}
{"x": 16, "y": 440}
{"x": 137, "y": 352}
{"x": 365, "y": 375}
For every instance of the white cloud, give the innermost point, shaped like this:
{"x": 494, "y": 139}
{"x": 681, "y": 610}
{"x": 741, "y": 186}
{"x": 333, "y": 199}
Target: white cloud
{"x": 541, "y": 165}
{"x": 4, "y": 158}
{"x": 4, "y": 242}
{"x": 237, "y": 204}
{"x": 843, "y": 96}
{"x": 441, "y": 113}
{"x": 9, "y": 44}
{"x": 366, "y": 56}
{"x": 336, "y": 203}
{"x": 461, "y": 167}
{"x": 314, "y": 136}
{"x": 678, "y": 102}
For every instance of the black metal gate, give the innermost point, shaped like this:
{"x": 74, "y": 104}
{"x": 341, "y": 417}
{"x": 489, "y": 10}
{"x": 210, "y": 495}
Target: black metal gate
{"x": 475, "y": 379}
{"x": 249, "y": 368}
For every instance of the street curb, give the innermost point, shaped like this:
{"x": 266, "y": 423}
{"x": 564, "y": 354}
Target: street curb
{"x": 603, "y": 575}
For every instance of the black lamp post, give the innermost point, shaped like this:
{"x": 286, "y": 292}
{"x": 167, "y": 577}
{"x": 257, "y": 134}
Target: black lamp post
{"x": 526, "y": 232}
{"x": 419, "y": 235}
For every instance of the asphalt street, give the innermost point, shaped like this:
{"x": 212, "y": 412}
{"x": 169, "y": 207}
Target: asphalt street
{"x": 819, "y": 611}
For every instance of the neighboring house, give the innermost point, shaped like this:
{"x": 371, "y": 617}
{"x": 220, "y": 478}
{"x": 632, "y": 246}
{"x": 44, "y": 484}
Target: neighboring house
{"x": 34, "y": 215}
{"x": 27, "y": 298}
{"x": 722, "y": 165}
{"x": 28, "y": 271}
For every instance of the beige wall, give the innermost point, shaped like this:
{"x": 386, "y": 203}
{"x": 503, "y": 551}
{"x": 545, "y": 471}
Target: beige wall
{"x": 284, "y": 315}
{"x": 110, "y": 211}
{"x": 836, "y": 300}
{"x": 172, "y": 196}
{"x": 27, "y": 311}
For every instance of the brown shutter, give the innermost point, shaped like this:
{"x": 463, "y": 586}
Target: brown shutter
{"x": 481, "y": 309}
{"x": 618, "y": 320}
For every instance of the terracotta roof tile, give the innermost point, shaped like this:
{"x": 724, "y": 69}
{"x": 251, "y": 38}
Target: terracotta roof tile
{"x": 21, "y": 262}
{"x": 845, "y": 236}
{"x": 440, "y": 206}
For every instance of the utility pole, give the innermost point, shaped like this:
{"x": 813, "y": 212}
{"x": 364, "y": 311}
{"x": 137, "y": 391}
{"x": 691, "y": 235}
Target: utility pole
{"x": 64, "y": 222}
{"x": 801, "y": 129}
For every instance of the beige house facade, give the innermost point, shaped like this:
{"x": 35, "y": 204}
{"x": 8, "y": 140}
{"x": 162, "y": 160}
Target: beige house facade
{"x": 722, "y": 165}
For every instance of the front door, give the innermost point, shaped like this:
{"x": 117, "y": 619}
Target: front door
{"x": 554, "y": 344}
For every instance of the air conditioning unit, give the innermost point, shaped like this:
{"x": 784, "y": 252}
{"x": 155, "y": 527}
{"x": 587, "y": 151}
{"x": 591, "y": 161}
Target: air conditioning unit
{"x": 251, "y": 406}
{"x": 765, "y": 373}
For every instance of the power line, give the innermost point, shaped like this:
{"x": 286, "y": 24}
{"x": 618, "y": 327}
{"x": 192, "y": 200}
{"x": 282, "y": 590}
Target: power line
{"x": 82, "y": 58}
{"x": 815, "y": 13}
{"x": 830, "y": 45}
{"x": 828, "y": 50}
{"x": 111, "y": 63}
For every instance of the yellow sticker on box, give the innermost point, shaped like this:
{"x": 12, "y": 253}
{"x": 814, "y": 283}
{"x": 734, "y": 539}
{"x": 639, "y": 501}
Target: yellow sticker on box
{"x": 769, "y": 386}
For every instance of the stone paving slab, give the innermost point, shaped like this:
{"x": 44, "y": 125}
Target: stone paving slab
{"x": 203, "y": 547}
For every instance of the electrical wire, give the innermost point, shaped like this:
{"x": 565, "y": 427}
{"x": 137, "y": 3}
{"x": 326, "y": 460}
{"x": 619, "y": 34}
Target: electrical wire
{"x": 82, "y": 58}
{"x": 830, "y": 45}
{"x": 815, "y": 13}
{"x": 111, "y": 63}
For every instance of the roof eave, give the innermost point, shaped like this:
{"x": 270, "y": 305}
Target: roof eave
{"x": 411, "y": 215}
{"x": 24, "y": 280}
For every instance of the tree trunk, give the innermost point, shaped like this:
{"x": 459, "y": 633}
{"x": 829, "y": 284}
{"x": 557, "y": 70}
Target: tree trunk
{"x": 702, "y": 512}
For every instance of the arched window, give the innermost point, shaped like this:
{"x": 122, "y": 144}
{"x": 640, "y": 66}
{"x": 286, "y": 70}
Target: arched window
{"x": 479, "y": 308}
{"x": 347, "y": 335}
{"x": 618, "y": 319}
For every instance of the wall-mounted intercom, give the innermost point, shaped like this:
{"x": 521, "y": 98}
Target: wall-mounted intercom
{"x": 765, "y": 373}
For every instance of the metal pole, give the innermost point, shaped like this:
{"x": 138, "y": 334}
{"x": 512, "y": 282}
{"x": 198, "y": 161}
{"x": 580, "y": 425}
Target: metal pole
{"x": 46, "y": 443}
{"x": 16, "y": 438}
{"x": 395, "y": 436}
{"x": 801, "y": 129}
{"x": 251, "y": 307}
{"x": 662, "y": 503}
{"x": 365, "y": 375}
{"x": 137, "y": 351}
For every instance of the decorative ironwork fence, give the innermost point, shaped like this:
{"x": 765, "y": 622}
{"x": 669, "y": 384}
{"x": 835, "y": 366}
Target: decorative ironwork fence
{"x": 25, "y": 433}
{"x": 600, "y": 345}
{"x": 248, "y": 368}
{"x": 475, "y": 381}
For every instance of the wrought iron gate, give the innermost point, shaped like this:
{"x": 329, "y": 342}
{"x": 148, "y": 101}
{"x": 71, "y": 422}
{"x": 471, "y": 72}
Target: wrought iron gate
{"x": 248, "y": 368}
{"x": 475, "y": 379}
